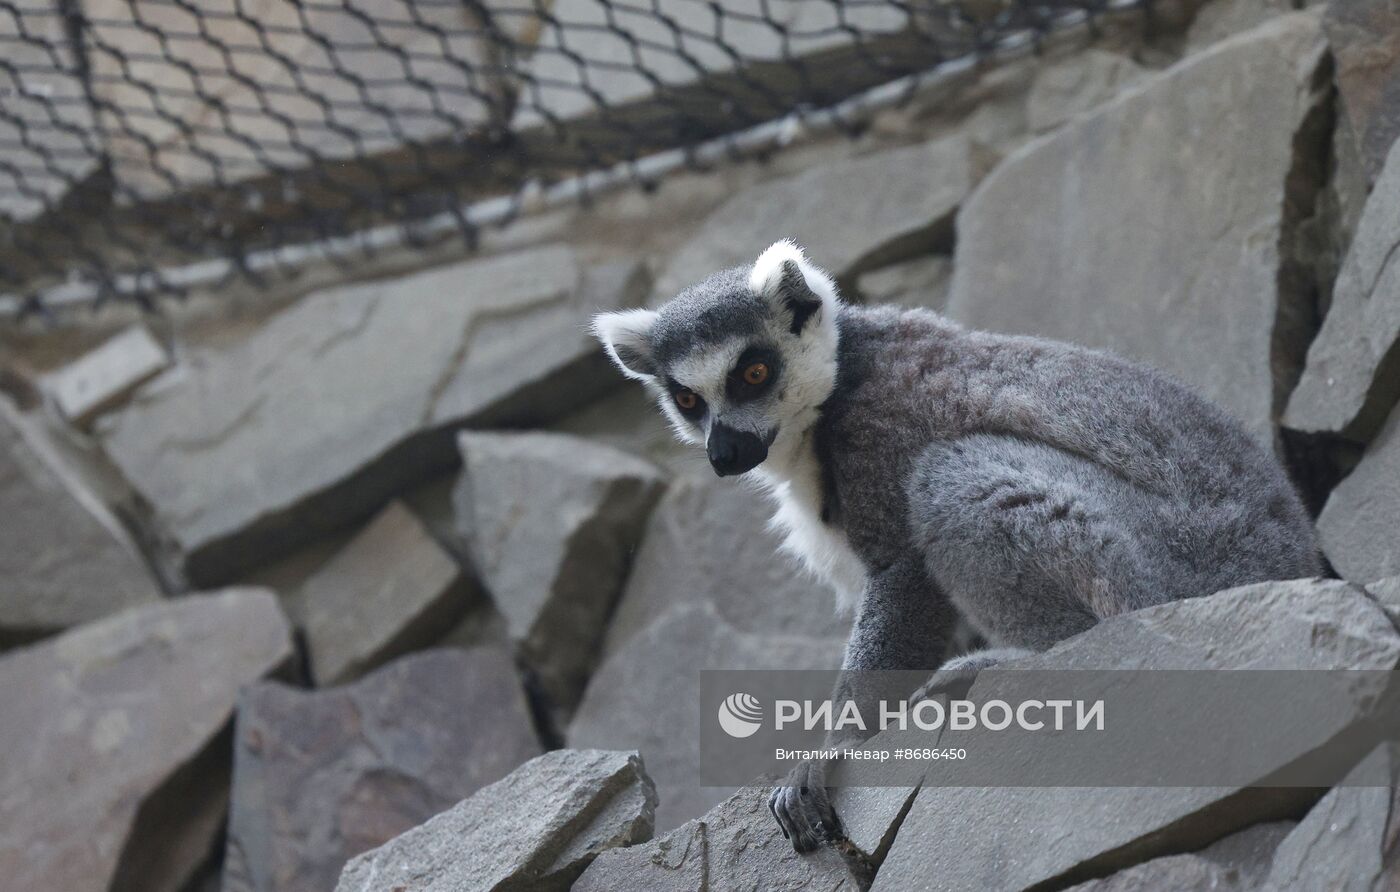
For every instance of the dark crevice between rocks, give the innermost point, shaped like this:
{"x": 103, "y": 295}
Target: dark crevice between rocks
{"x": 938, "y": 237}
{"x": 865, "y": 867}
{"x": 542, "y": 709}
{"x": 1307, "y": 270}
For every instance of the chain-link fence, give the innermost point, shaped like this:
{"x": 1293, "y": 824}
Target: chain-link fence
{"x": 149, "y": 144}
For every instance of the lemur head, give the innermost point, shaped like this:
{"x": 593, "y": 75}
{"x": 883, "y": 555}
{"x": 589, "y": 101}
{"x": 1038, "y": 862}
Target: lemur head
{"x": 739, "y": 363}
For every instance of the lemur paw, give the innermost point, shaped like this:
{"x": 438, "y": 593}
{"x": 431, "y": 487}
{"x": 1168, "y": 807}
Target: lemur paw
{"x": 803, "y": 809}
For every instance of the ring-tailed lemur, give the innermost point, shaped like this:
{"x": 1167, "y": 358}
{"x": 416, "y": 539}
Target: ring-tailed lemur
{"x": 922, "y": 468}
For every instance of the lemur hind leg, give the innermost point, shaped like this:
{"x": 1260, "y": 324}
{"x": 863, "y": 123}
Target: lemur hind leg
{"x": 1031, "y": 543}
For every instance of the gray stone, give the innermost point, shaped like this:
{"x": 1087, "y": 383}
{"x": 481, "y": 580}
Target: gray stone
{"x": 1352, "y": 376}
{"x": 537, "y": 829}
{"x": 1347, "y": 841}
{"x": 350, "y": 395}
{"x": 1365, "y": 40}
{"x": 63, "y": 557}
{"x": 736, "y": 845}
{"x": 627, "y": 419}
{"x": 1360, "y": 524}
{"x": 958, "y": 838}
{"x": 922, "y": 282}
{"x": 102, "y": 378}
{"x": 114, "y": 775}
{"x": 321, "y": 776}
{"x": 553, "y": 521}
{"x": 1084, "y": 235}
{"x": 644, "y": 695}
{"x": 708, "y": 542}
{"x": 1386, "y": 593}
{"x": 1238, "y": 862}
{"x": 851, "y": 215}
{"x": 48, "y": 126}
{"x": 391, "y": 589}
{"x": 1075, "y": 85}
{"x": 1219, "y": 19}
{"x": 193, "y": 99}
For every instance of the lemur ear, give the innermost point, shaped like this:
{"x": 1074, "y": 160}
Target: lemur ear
{"x": 626, "y": 336}
{"x": 783, "y": 275}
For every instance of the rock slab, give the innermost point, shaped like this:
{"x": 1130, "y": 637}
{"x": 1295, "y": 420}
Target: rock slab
{"x": 958, "y": 838}
{"x": 537, "y": 829}
{"x": 114, "y": 775}
{"x": 61, "y": 559}
{"x": 1360, "y": 524}
{"x": 553, "y": 521}
{"x": 1352, "y": 376}
{"x": 350, "y": 395}
{"x": 1365, "y": 39}
{"x": 100, "y": 379}
{"x": 1085, "y": 234}
{"x": 321, "y": 776}
{"x": 644, "y": 695}
{"x": 851, "y": 215}
{"x": 736, "y": 845}
{"x": 390, "y": 589}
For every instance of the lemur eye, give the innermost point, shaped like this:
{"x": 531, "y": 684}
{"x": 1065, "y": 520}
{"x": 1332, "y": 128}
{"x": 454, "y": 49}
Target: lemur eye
{"x": 756, "y": 373}
{"x": 686, "y": 399}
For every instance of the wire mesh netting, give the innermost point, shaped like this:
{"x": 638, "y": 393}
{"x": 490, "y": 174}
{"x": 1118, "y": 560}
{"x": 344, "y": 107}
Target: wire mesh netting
{"x": 149, "y": 143}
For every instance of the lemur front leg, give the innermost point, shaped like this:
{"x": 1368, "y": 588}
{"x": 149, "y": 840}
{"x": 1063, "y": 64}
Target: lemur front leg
{"x": 904, "y": 623}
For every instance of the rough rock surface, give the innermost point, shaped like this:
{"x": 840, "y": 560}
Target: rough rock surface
{"x": 922, "y": 282}
{"x": 851, "y": 215}
{"x": 537, "y": 829}
{"x": 1365, "y": 39}
{"x": 321, "y": 776}
{"x": 1238, "y": 862}
{"x": 1360, "y": 525}
{"x": 736, "y": 845}
{"x": 1074, "y": 85}
{"x": 553, "y": 522}
{"x": 959, "y": 835}
{"x": 61, "y": 561}
{"x": 347, "y": 396}
{"x": 641, "y": 695}
{"x": 708, "y": 541}
{"x": 410, "y": 73}
{"x": 1352, "y": 376}
{"x": 115, "y": 728}
{"x": 100, "y": 379}
{"x": 390, "y": 589}
{"x": 48, "y": 126}
{"x": 1347, "y": 840}
{"x": 1054, "y": 241}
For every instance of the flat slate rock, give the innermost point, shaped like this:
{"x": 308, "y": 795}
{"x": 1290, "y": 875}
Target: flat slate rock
{"x": 1085, "y": 234}
{"x": 708, "y": 541}
{"x": 321, "y": 776}
{"x": 1238, "y": 863}
{"x": 1360, "y": 524}
{"x": 851, "y": 215}
{"x": 390, "y": 589}
{"x": 644, "y": 695}
{"x": 1352, "y": 376}
{"x": 553, "y": 522}
{"x": 114, "y": 776}
{"x": 350, "y": 395}
{"x": 101, "y": 378}
{"x": 62, "y": 561}
{"x": 1365, "y": 40}
{"x": 535, "y": 830}
{"x": 959, "y": 838}
{"x": 736, "y": 845}
{"x": 1347, "y": 841}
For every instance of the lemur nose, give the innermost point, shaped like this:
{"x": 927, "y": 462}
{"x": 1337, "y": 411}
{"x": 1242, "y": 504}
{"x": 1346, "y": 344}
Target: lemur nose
{"x": 734, "y": 451}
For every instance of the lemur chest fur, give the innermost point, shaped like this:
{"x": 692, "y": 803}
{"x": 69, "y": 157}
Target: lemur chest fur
{"x": 795, "y": 483}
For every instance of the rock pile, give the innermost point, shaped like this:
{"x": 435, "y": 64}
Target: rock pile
{"x": 486, "y": 586}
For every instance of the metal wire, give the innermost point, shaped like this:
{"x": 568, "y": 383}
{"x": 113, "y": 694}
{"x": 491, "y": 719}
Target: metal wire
{"x": 147, "y": 146}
